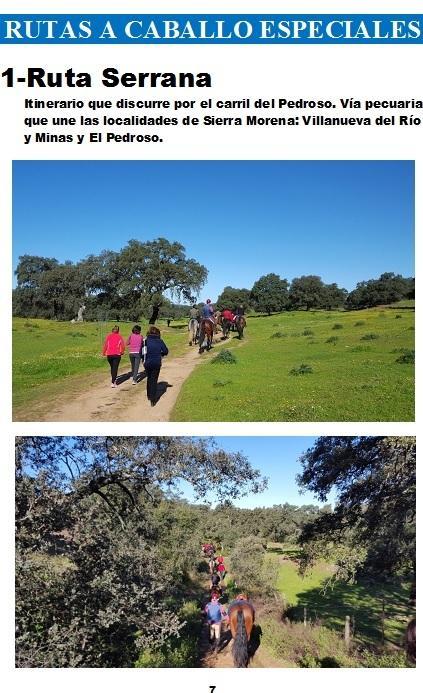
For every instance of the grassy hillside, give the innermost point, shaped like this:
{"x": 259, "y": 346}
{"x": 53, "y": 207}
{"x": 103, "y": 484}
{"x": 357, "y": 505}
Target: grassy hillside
{"x": 351, "y": 363}
{"x": 364, "y": 602}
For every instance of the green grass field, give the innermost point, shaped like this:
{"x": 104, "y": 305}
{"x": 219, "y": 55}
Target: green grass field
{"x": 47, "y": 352}
{"x": 362, "y": 601}
{"x": 353, "y": 373}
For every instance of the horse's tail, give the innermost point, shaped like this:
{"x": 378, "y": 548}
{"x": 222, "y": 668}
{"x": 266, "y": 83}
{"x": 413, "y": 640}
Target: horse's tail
{"x": 240, "y": 646}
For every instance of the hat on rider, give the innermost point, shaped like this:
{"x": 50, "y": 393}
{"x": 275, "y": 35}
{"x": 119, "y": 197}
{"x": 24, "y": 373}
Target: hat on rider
{"x": 208, "y": 300}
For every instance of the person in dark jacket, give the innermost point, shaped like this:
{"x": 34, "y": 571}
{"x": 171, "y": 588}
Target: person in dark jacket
{"x": 153, "y": 351}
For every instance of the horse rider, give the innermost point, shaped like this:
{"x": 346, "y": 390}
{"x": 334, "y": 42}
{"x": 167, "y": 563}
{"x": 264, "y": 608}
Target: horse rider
{"x": 194, "y": 313}
{"x": 215, "y": 614}
{"x": 207, "y": 312}
{"x": 228, "y": 315}
{"x": 239, "y": 311}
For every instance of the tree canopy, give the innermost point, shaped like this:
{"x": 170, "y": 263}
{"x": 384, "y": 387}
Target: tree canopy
{"x": 375, "y": 481}
{"x": 389, "y": 288}
{"x": 98, "y": 562}
{"x": 117, "y": 285}
{"x": 231, "y": 298}
{"x": 270, "y": 294}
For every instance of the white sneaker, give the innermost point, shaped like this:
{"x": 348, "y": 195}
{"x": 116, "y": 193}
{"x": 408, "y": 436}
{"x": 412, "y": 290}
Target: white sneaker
{"x": 113, "y": 384}
{"x": 134, "y": 382}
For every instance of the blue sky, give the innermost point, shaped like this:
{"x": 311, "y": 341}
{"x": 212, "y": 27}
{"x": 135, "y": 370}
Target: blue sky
{"x": 276, "y": 458}
{"x": 346, "y": 221}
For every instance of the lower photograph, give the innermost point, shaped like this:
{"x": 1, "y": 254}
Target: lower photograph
{"x": 224, "y": 552}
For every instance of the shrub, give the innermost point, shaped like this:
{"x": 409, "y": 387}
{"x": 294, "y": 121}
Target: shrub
{"x": 225, "y": 356}
{"x": 313, "y": 646}
{"x": 308, "y": 333}
{"x": 397, "y": 317}
{"x": 301, "y": 370}
{"x": 332, "y": 340}
{"x": 278, "y": 335}
{"x": 176, "y": 652}
{"x": 337, "y": 326}
{"x": 406, "y": 357}
{"x": 384, "y": 660}
{"x": 359, "y": 323}
{"x": 369, "y": 336}
{"x": 359, "y": 348}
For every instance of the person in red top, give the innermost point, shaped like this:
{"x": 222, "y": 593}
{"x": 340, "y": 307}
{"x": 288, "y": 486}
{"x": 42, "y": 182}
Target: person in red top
{"x": 113, "y": 348}
{"x": 221, "y": 570}
{"x": 228, "y": 315}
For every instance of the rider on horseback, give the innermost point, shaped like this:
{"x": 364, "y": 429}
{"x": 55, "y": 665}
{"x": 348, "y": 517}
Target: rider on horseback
{"x": 194, "y": 313}
{"x": 207, "y": 311}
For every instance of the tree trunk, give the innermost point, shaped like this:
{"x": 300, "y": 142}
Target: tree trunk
{"x": 154, "y": 315}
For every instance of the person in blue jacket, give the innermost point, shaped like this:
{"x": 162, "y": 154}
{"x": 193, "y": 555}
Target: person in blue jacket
{"x": 153, "y": 351}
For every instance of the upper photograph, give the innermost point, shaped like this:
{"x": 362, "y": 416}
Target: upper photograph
{"x": 276, "y": 291}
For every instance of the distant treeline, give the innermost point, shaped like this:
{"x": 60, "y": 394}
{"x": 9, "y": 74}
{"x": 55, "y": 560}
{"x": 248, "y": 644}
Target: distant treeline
{"x": 271, "y": 294}
{"x": 134, "y": 282}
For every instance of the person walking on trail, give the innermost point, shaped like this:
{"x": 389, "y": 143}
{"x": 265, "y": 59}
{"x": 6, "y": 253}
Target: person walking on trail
{"x": 221, "y": 570}
{"x": 215, "y": 614}
{"x": 194, "y": 313}
{"x": 135, "y": 343}
{"x": 214, "y": 581}
{"x": 153, "y": 350}
{"x": 113, "y": 348}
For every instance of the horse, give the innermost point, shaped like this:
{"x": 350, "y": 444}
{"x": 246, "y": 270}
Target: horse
{"x": 410, "y": 641}
{"x": 226, "y": 327}
{"x": 240, "y": 324}
{"x": 193, "y": 326}
{"x": 205, "y": 338}
{"x": 241, "y": 620}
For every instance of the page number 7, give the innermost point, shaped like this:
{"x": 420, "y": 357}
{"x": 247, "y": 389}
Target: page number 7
{"x": 212, "y": 689}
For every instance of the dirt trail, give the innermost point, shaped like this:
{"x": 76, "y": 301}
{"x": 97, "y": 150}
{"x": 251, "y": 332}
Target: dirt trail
{"x": 97, "y": 401}
{"x": 209, "y": 659}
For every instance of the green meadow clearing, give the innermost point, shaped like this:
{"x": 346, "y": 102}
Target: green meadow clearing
{"x": 47, "y": 352}
{"x": 299, "y": 366}
{"x": 358, "y": 367}
{"x": 370, "y": 605}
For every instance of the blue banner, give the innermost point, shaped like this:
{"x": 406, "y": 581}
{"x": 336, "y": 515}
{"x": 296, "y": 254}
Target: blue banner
{"x": 210, "y": 28}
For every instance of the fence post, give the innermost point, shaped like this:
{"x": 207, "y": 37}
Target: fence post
{"x": 347, "y": 632}
{"x": 305, "y": 616}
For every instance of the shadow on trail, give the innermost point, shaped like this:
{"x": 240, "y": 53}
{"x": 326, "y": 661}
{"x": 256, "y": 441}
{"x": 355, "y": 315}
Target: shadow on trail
{"x": 162, "y": 387}
{"x": 123, "y": 377}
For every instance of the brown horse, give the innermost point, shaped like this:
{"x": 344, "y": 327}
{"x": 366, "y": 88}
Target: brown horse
{"x": 205, "y": 338}
{"x": 410, "y": 641}
{"x": 240, "y": 324}
{"x": 241, "y": 621}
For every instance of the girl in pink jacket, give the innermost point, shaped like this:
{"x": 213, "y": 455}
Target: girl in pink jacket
{"x": 135, "y": 343}
{"x": 113, "y": 348}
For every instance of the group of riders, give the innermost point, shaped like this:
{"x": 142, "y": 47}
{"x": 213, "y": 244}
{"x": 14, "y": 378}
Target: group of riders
{"x": 207, "y": 317}
{"x": 217, "y": 614}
